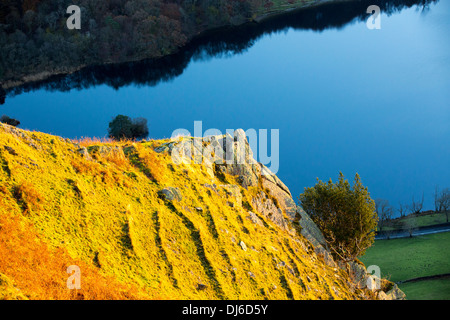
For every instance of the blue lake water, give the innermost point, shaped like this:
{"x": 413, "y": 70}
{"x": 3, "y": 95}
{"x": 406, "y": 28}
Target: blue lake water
{"x": 376, "y": 102}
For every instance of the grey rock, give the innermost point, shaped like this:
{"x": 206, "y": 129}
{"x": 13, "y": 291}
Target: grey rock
{"x": 381, "y": 295}
{"x": 358, "y": 274}
{"x": 254, "y": 218}
{"x": 162, "y": 148}
{"x": 310, "y": 229}
{"x": 264, "y": 205}
{"x": 170, "y": 194}
{"x": 396, "y": 294}
{"x": 232, "y": 155}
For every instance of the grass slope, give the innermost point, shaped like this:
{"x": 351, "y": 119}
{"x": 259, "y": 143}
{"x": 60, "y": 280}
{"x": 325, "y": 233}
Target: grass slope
{"x": 101, "y": 211}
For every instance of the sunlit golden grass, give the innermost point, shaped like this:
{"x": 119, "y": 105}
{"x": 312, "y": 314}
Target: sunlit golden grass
{"x": 90, "y": 141}
{"x": 153, "y": 162}
{"x": 103, "y": 213}
{"x": 40, "y": 273}
{"x": 27, "y": 196}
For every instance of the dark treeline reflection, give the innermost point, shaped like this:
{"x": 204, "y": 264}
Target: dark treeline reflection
{"x": 230, "y": 40}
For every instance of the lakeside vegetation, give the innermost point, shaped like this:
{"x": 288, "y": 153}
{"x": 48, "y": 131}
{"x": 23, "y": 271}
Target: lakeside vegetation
{"x": 34, "y": 38}
{"x": 35, "y": 43}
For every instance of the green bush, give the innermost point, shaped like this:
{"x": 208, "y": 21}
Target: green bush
{"x": 123, "y": 127}
{"x": 346, "y": 215}
{"x": 10, "y": 121}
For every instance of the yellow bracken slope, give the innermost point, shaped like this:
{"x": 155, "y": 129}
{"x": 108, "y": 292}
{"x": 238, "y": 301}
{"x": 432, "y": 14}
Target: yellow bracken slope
{"x": 141, "y": 227}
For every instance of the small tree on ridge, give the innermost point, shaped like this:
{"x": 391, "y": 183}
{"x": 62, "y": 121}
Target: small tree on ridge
{"x": 345, "y": 214}
{"x": 123, "y": 127}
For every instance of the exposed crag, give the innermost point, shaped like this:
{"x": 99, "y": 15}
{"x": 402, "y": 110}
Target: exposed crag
{"x": 168, "y": 219}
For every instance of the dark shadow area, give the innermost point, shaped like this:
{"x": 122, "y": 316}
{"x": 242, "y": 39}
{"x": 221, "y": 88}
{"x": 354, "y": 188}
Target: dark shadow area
{"x": 220, "y": 42}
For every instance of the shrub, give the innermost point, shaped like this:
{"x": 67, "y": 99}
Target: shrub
{"x": 139, "y": 128}
{"x": 346, "y": 215}
{"x": 123, "y": 127}
{"x": 10, "y": 121}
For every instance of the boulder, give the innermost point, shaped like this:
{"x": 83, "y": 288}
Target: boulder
{"x": 396, "y": 294}
{"x": 310, "y": 230}
{"x": 358, "y": 274}
{"x": 381, "y": 295}
{"x": 170, "y": 194}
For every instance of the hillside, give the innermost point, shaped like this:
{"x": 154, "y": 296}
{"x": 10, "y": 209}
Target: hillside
{"x": 141, "y": 224}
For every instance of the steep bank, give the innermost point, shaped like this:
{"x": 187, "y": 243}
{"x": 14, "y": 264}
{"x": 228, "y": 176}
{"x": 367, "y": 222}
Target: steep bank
{"x": 156, "y": 219}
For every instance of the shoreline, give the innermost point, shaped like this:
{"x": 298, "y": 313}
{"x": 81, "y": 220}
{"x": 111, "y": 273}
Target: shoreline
{"x": 10, "y": 84}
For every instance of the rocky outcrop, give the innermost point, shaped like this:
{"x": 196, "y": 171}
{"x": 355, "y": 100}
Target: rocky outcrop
{"x": 382, "y": 289}
{"x": 224, "y": 155}
{"x": 231, "y": 156}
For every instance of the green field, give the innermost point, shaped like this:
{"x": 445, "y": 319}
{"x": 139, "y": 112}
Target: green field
{"x": 438, "y": 289}
{"x": 409, "y": 258}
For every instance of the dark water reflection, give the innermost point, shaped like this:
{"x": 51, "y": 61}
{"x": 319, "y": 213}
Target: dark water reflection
{"x": 226, "y": 41}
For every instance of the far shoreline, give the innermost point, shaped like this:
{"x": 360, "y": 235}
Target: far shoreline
{"x": 10, "y": 84}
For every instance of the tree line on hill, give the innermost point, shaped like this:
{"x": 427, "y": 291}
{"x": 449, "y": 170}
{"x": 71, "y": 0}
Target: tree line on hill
{"x": 34, "y": 37}
{"x": 35, "y": 42}
{"x": 386, "y": 211}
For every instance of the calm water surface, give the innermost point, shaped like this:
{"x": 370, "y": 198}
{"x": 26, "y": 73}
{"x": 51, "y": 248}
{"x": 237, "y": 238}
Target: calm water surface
{"x": 376, "y": 102}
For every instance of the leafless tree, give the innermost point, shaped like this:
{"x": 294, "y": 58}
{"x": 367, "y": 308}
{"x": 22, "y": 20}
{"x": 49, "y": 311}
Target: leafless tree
{"x": 443, "y": 201}
{"x": 436, "y": 199}
{"x": 410, "y": 225}
{"x": 384, "y": 212}
{"x": 402, "y": 209}
{"x": 416, "y": 206}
